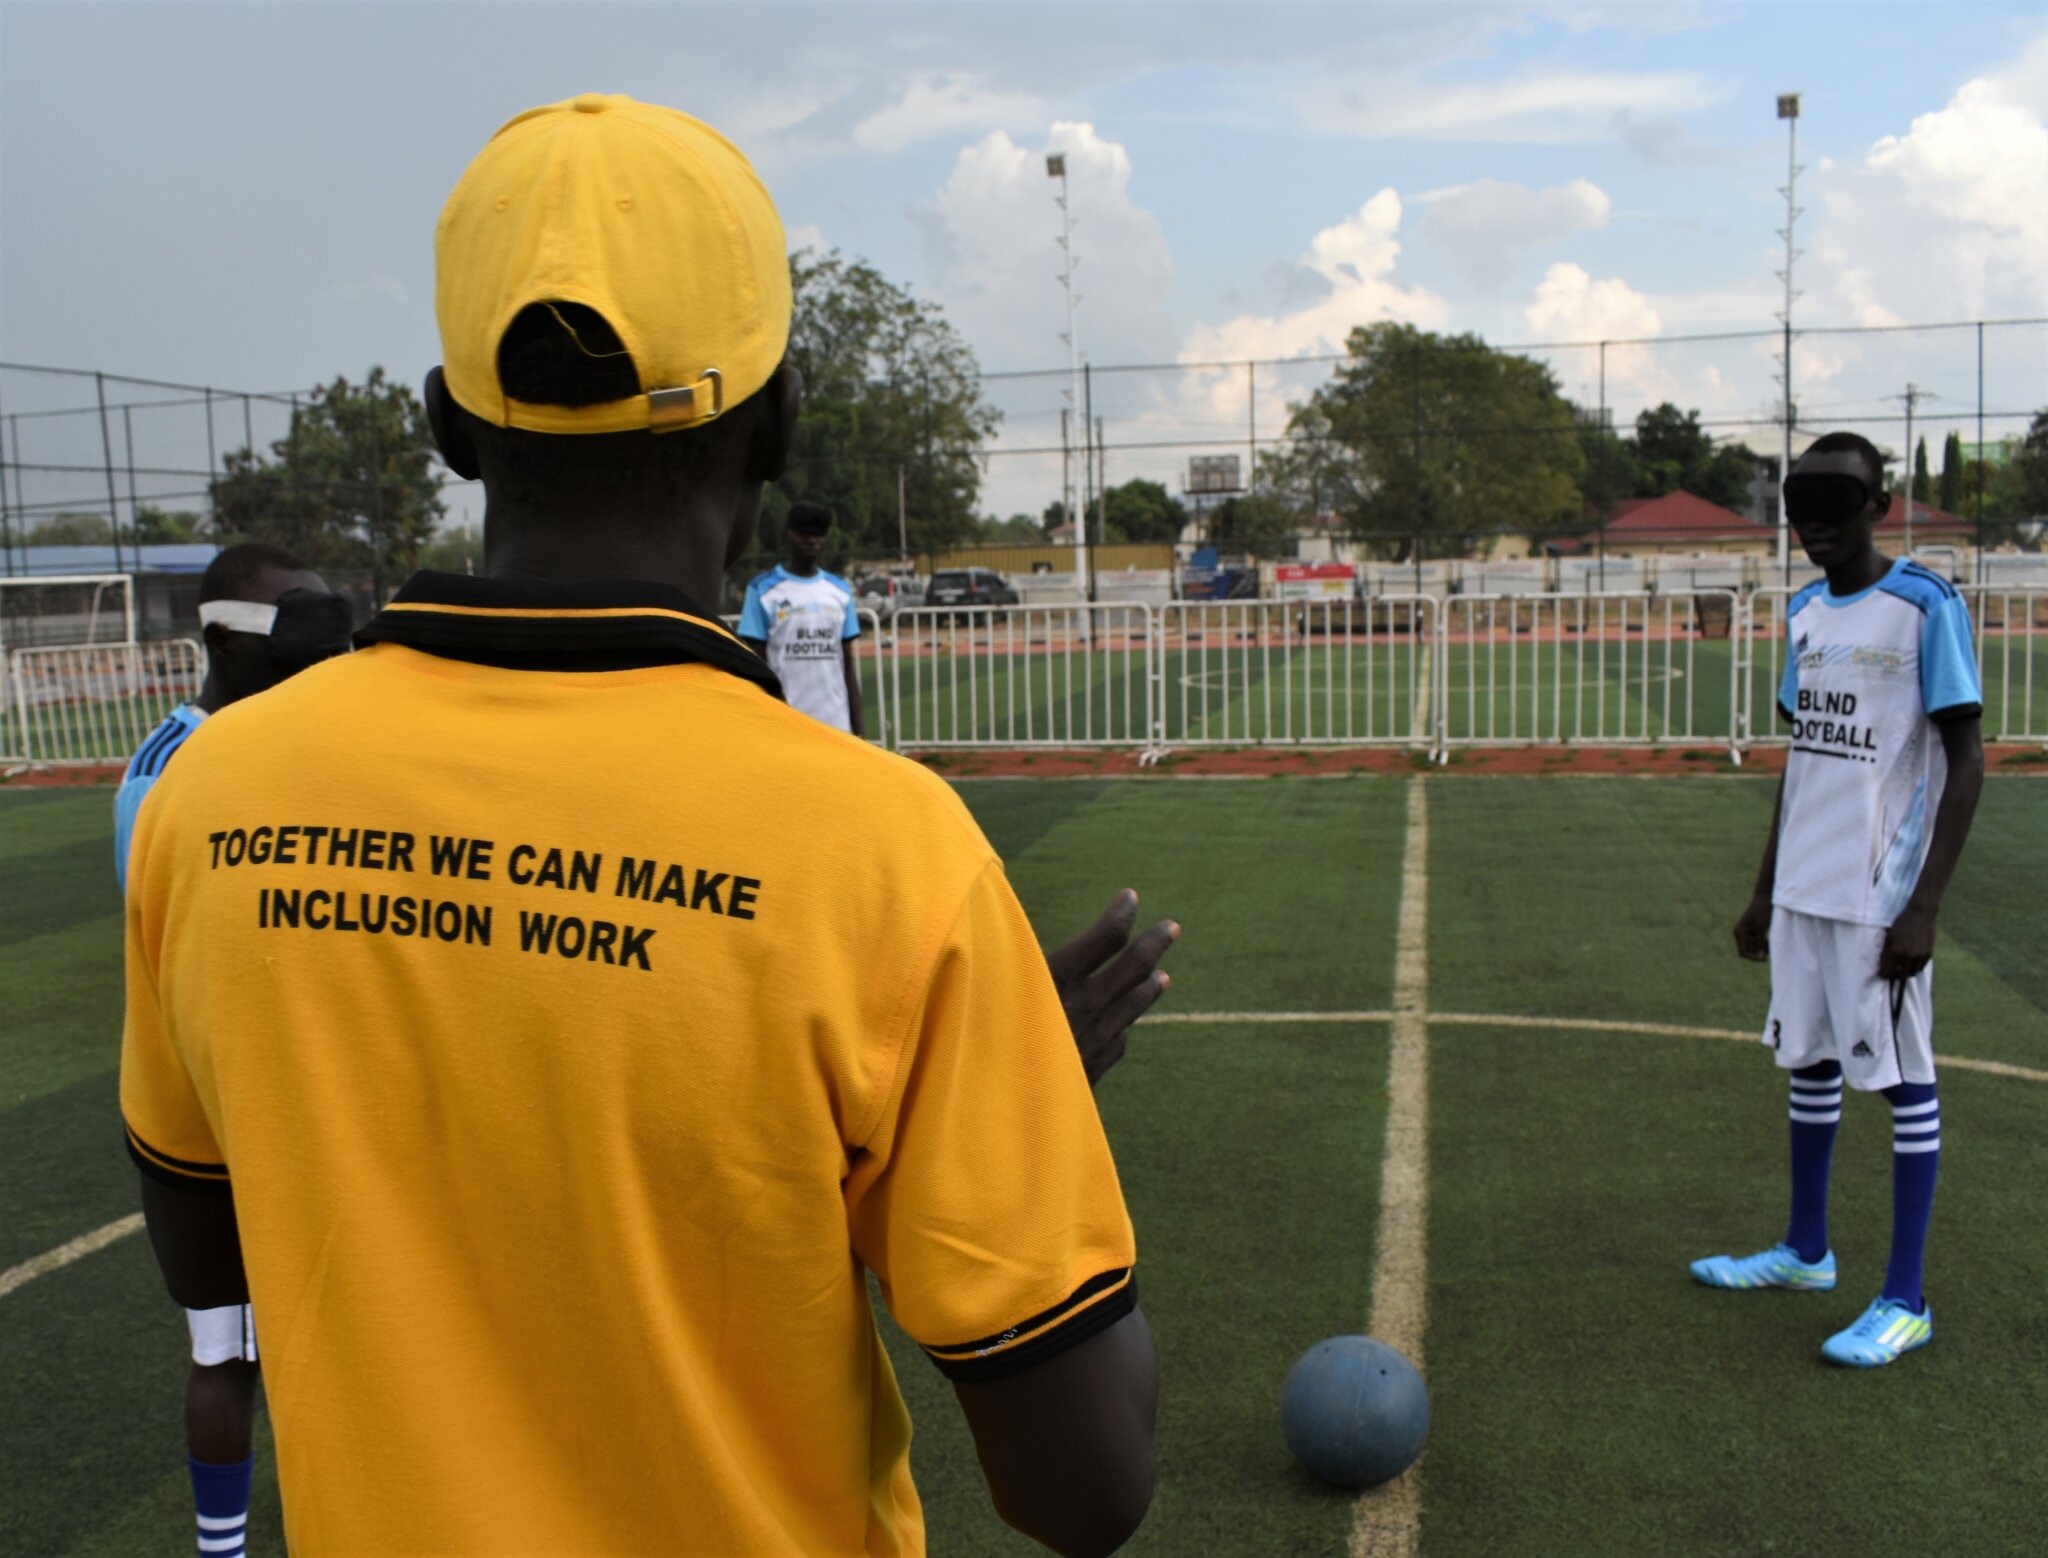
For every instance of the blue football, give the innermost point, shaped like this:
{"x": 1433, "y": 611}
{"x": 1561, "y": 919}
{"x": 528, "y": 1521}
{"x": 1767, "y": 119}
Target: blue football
{"x": 1355, "y": 1412}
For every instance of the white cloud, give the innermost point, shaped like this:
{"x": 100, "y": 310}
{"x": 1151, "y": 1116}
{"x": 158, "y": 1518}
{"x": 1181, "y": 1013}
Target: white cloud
{"x": 992, "y": 244}
{"x": 1949, "y": 220}
{"x": 991, "y": 238}
{"x": 1355, "y": 260}
{"x": 1543, "y": 106}
{"x": 1480, "y": 226}
{"x": 940, "y": 103}
{"x": 1569, "y": 305}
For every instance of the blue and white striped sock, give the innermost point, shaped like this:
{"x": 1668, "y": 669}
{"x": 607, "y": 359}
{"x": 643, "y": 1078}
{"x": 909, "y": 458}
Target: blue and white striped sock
{"x": 1916, "y": 1159}
{"x": 1816, "y": 1113}
{"x": 221, "y": 1495}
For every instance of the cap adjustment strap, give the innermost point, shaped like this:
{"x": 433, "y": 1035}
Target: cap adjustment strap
{"x": 671, "y": 410}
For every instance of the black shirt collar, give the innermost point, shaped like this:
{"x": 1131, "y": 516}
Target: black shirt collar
{"x": 560, "y": 625}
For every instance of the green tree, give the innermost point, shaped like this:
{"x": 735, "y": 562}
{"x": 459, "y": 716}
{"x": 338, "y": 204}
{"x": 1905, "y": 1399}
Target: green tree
{"x": 1950, "y": 492}
{"x": 72, "y": 530}
{"x": 1612, "y": 470}
{"x": 889, "y": 384}
{"x": 1674, "y": 453}
{"x": 2030, "y": 470}
{"x": 1141, "y": 510}
{"x": 166, "y": 527}
{"x": 352, "y": 484}
{"x": 1433, "y": 438}
{"x": 1922, "y": 487}
{"x": 1261, "y": 523}
{"x": 456, "y": 549}
{"x": 1017, "y": 530}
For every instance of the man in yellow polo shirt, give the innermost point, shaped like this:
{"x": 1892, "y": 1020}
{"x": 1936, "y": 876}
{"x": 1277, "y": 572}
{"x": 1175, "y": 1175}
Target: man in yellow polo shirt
{"x": 566, "y": 1093}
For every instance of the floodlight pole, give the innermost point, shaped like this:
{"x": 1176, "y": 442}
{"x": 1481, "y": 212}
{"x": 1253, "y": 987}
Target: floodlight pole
{"x": 1788, "y": 110}
{"x": 1056, "y": 167}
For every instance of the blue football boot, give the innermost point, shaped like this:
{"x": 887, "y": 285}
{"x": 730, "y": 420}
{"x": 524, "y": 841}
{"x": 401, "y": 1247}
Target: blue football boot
{"x": 1886, "y": 1333}
{"x": 1777, "y": 1267}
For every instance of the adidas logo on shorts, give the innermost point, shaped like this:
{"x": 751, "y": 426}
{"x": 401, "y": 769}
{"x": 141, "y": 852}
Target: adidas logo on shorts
{"x": 1861, "y": 1047}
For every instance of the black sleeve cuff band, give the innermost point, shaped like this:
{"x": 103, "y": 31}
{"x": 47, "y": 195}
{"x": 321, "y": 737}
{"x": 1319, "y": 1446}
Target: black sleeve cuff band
{"x": 1080, "y": 1324}
{"x": 206, "y": 1179}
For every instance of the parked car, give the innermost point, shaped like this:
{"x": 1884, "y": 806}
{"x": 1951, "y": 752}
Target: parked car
{"x": 885, "y": 594}
{"x": 971, "y": 587}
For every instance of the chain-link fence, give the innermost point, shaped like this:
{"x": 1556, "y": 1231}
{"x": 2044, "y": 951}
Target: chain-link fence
{"x": 1416, "y": 449}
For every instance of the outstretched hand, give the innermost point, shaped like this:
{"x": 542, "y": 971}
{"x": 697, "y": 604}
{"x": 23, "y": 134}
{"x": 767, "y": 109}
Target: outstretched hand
{"x": 1107, "y": 981}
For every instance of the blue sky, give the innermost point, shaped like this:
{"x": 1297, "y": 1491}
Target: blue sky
{"x": 245, "y": 195}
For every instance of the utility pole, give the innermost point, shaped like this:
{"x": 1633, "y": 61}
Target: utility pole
{"x": 1056, "y": 167}
{"x": 902, "y": 519}
{"x": 1251, "y": 431}
{"x": 1913, "y": 396}
{"x": 1788, "y": 110}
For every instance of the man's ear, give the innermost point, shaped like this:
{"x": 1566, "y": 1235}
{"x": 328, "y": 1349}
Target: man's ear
{"x": 1883, "y": 502}
{"x": 775, "y": 433}
{"x": 451, "y": 431}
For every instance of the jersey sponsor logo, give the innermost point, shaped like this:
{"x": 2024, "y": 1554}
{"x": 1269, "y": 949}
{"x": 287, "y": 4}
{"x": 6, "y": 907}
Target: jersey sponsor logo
{"x": 1886, "y": 662}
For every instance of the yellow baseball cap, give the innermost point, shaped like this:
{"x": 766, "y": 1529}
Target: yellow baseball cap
{"x": 642, "y": 213}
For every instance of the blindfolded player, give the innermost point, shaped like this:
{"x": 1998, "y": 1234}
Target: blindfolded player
{"x": 1887, "y": 760}
{"x": 265, "y": 615}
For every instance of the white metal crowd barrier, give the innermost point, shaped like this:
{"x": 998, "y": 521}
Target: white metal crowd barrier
{"x": 1021, "y": 676}
{"x": 2010, "y": 626}
{"x": 1254, "y": 673}
{"x": 94, "y": 703}
{"x": 1592, "y": 670}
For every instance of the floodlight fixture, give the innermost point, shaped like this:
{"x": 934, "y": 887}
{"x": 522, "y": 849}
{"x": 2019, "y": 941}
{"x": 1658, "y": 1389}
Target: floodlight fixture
{"x": 1056, "y": 162}
{"x": 1788, "y": 105}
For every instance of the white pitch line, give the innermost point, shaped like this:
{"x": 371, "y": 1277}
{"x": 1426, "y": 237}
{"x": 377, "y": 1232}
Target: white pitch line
{"x": 1255, "y": 1017}
{"x": 1658, "y": 1030}
{"x": 1386, "y": 1521}
{"x": 65, "y": 1254}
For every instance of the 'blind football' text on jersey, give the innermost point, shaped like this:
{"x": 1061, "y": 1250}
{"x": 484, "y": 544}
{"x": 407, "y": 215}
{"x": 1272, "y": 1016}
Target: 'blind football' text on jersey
{"x": 568, "y": 1093}
{"x": 143, "y": 769}
{"x": 804, "y": 622}
{"x": 1866, "y": 678}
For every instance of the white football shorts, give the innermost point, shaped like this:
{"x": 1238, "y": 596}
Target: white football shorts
{"x": 222, "y": 1335}
{"x": 1827, "y": 1003}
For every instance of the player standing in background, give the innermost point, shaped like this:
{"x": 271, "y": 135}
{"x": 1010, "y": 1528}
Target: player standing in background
{"x": 803, "y": 620}
{"x": 265, "y": 614}
{"x": 569, "y": 1085}
{"x": 1879, "y": 788}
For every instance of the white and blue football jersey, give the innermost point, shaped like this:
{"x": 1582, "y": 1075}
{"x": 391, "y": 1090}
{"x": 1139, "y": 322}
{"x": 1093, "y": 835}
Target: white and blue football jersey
{"x": 142, "y": 771}
{"x": 1867, "y": 676}
{"x": 804, "y": 622}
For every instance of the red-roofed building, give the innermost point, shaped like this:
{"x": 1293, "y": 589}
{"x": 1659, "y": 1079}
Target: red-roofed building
{"x": 1931, "y": 527}
{"x": 1680, "y": 524}
{"x": 1677, "y": 523}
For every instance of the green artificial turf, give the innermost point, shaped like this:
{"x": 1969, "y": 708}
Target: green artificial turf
{"x": 1587, "y": 1397}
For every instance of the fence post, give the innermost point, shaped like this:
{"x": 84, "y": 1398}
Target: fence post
{"x": 107, "y": 455}
{"x": 1416, "y": 495}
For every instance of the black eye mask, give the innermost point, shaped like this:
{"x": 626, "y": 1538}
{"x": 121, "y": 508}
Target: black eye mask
{"x": 1828, "y": 499}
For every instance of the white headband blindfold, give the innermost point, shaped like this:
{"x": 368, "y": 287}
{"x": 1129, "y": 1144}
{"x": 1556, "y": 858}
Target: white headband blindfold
{"x": 238, "y": 616}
